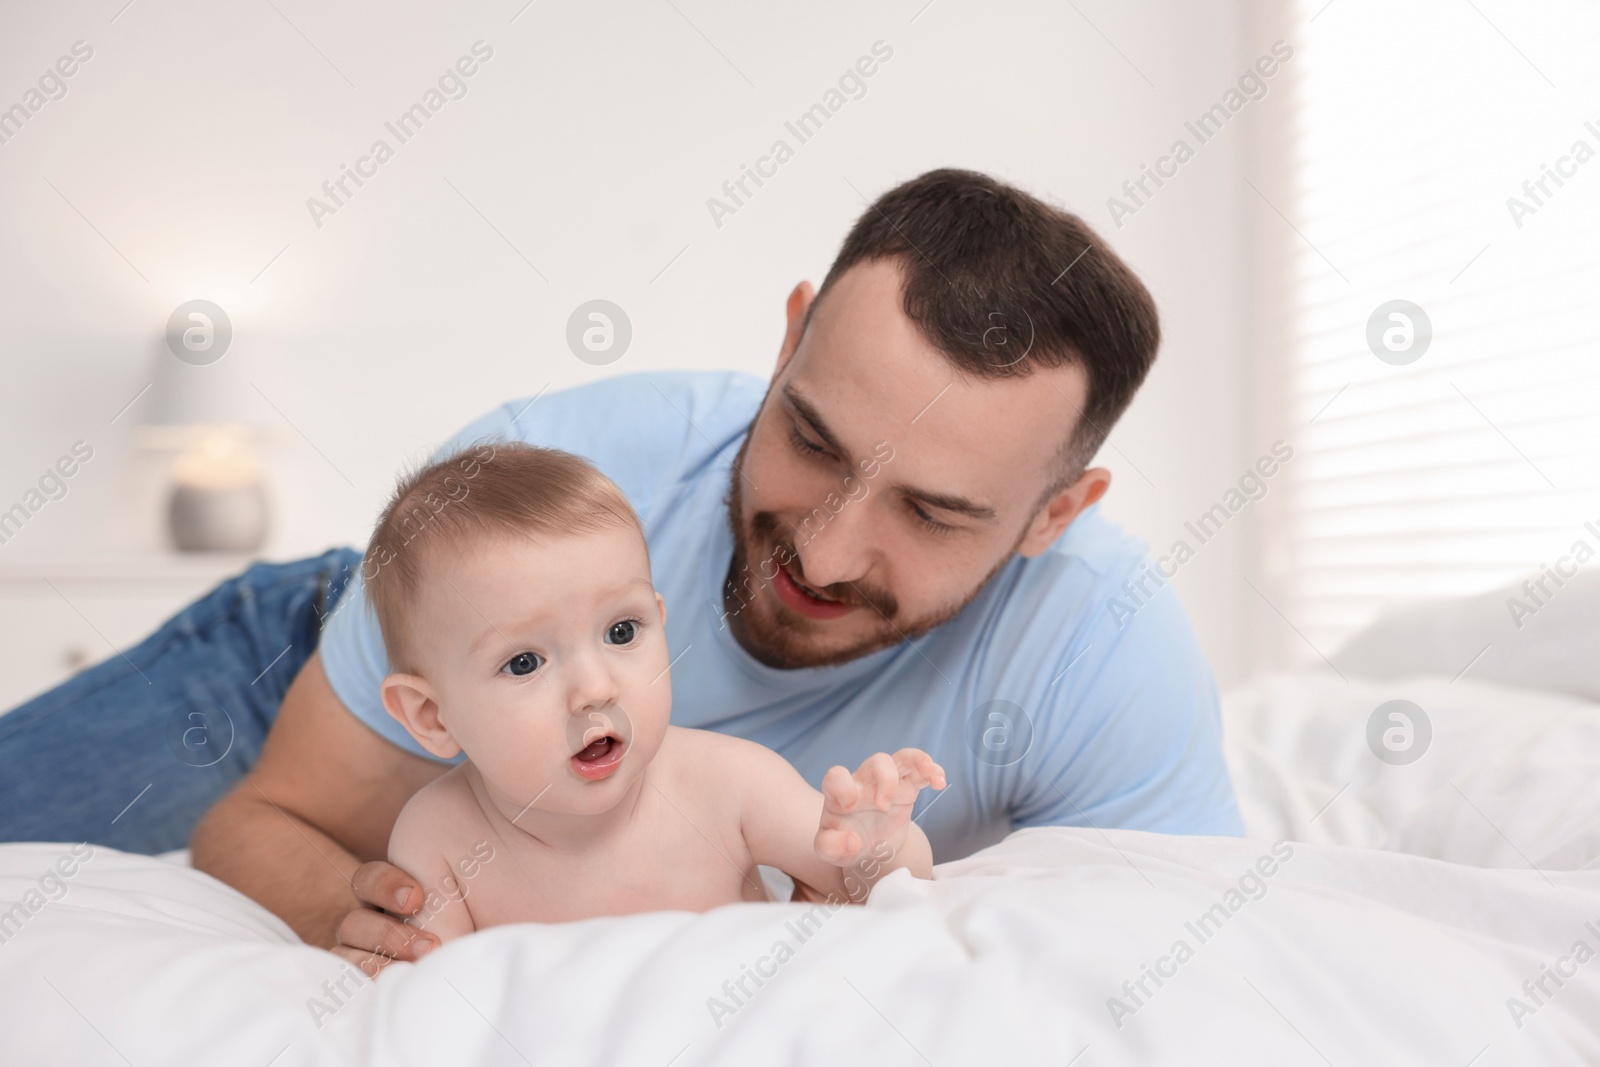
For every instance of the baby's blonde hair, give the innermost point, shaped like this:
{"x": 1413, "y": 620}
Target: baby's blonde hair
{"x": 492, "y": 489}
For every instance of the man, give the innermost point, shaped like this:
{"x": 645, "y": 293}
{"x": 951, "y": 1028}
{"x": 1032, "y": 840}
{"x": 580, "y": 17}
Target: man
{"x": 892, "y": 543}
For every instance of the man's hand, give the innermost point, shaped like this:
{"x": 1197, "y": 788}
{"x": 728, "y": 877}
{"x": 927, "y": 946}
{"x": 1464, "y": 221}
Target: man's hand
{"x": 872, "y": 806}
{"x": 375, "y": 934}
{"x": 294, "y": 832}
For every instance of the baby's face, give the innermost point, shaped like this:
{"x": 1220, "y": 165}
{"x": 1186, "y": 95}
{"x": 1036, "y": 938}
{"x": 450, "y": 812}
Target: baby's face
{"x": 548, "y": 661}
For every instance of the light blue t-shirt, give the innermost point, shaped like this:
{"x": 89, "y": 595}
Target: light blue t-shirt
{"x": 1041, "y": 708}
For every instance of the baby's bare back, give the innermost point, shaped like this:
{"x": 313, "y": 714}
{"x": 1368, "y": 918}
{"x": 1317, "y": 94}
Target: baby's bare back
{"x": 676, "y": 844}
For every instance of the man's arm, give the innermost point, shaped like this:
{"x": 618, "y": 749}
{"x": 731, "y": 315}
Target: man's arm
{"x": 297, "y": 833}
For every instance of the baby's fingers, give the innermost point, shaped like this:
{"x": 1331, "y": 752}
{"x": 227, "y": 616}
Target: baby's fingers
{"x": 879, "y": 777}
{"x": 838, "y": 847}
{"x": 840, "y": 791}
{"x": 918, "y": 768}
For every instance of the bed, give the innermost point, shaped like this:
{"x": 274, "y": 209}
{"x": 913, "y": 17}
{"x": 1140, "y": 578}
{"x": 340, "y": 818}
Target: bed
{"x": 1444, "y": 910}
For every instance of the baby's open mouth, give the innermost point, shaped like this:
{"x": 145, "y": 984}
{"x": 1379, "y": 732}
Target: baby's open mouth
{"x": 599, "y": 757}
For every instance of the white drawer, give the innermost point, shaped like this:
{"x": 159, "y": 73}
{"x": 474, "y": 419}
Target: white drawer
{"x": 51, "y": 627}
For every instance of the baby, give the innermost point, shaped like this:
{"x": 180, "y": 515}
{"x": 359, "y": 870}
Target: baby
{"x": 512, "y": 586}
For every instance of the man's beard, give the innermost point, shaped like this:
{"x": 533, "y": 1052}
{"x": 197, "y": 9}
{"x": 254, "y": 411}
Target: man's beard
{"x": 760, "y": 625}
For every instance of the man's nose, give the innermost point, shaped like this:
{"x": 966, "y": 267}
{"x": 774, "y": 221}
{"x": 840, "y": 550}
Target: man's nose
{"x": 837, "y": 550}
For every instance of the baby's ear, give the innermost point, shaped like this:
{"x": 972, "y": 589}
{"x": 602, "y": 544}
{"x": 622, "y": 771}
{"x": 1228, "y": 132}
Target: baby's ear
{"x": 410, "y": 700}
{"x": 662, "y": 605}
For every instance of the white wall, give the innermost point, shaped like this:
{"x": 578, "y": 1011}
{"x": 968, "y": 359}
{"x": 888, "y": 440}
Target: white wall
{"x": 591, "y": 141}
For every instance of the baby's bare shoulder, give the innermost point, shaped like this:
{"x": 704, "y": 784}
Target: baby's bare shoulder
{"x": 708, "y": 757}
{"x": 437, "y": 815}
{"x": 683, "y": 742}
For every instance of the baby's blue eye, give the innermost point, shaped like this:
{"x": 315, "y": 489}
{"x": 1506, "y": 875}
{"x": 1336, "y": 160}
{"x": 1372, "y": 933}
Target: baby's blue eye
{"x": 622, "y": 633}
{"x": 523, "y": 663}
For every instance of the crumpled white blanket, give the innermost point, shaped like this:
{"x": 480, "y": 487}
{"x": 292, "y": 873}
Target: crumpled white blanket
{"x": 1057, "y": 946}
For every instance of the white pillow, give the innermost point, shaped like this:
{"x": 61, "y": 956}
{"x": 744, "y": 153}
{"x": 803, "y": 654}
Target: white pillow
{"x": 1543, "y": 639}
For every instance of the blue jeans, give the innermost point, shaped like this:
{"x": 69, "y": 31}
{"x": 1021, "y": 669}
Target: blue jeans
{"x": 132, "y": 752}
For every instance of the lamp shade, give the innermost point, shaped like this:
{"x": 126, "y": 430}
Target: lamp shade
{"x": 215, "y": 394}
{"x": 184, "y": 397}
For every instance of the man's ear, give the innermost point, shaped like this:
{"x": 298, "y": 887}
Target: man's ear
{"x": 1057, "y": 513}
{"x": 410, "y": 700}
{"x": 797, "y": 307}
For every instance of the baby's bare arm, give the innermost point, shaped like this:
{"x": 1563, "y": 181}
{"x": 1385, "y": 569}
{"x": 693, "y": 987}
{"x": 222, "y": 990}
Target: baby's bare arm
{"x": 781, "y": 815}
{"x": 431, "y": 835}
{"x": 866, "y": 816}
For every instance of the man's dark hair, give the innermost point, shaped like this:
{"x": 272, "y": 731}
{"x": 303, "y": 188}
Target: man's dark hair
{"x": 1002, "y": 283}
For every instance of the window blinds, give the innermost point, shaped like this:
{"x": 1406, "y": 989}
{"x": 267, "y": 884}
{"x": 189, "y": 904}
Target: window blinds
{"x": 1447, "y": 155}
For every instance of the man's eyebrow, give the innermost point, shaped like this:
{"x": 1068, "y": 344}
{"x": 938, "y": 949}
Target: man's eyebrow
{"x": 812, "y": 418}
{"x": 947, "y": 502}
{"x": 959, "y": 505}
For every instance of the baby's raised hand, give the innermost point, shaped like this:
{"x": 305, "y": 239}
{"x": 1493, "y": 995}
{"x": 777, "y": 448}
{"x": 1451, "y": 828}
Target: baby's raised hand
{"x": 873, "y": 805}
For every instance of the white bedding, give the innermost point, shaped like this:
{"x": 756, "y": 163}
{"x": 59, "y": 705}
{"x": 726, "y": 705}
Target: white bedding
{"x": 1346, "y": 953}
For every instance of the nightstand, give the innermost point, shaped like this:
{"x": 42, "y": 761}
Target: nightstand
{"x": 56, "y": 618}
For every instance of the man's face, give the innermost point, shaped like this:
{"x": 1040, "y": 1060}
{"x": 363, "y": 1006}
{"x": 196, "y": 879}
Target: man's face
{"x": 878, "y": 489}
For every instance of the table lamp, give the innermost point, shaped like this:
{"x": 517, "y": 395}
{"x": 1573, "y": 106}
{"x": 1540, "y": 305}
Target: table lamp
{"x": 212, "y": 420}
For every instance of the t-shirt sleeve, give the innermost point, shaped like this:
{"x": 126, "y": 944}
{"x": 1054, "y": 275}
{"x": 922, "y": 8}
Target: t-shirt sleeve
{"x": 355, "y": 663}
{"x": 642, "y": 431}
{"x": 1130, "y": 732}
